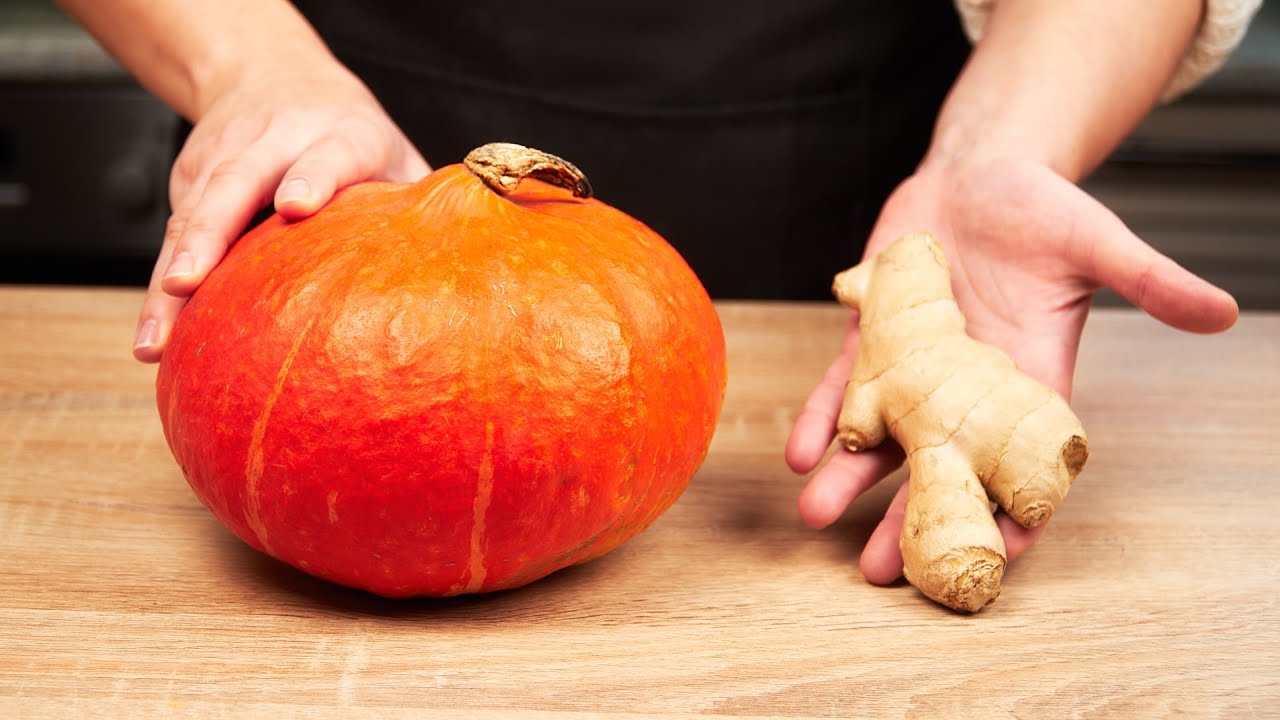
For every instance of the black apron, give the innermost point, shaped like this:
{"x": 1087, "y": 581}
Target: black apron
{"x": 758, "y": 136}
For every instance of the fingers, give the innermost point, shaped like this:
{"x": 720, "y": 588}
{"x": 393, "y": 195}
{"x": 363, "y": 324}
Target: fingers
{"x": 216, "y": 204}
{"x": 815, "y": 427}
{"x": 881, "y": 561}
{"x": 236, "y": 189}
{"x": 155, "y": 321}
{"x": 332, "y": 163}
{"x": 845, "y": 477}
{"x": 1113, "y": 256}
{"x": 1017, "y": 539}
{"x": 213, "y": 207}
{"x": 159, "y": 309}
{"x": 1167, "y": 291}
{"x": 355, "y": 152}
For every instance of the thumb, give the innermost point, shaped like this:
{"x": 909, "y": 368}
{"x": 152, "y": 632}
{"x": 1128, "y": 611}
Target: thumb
{"x": 1113, "y": 256}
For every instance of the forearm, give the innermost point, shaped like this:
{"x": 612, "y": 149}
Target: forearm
{"x": 188, "y": 51}
{"x": 1063, "y": 82}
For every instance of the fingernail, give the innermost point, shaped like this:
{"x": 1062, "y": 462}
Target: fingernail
{"x": 183, "y": 264}
{"x": 147, "y": 335}
{"x": 295, "y": 189}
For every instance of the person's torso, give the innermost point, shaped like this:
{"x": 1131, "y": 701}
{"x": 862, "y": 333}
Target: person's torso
{"x": 758, "y": 136}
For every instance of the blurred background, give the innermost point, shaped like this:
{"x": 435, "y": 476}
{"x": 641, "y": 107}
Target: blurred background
{"x": 85, "y": 155}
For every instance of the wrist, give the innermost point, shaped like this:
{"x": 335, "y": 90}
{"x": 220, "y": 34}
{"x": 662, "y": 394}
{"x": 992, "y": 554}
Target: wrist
{"x": 1061, "y": 84}
{"x": 973, "y": 140}
{"x": 231, "y": 62}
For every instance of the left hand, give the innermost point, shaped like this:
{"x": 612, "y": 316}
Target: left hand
{"x": 1028, "y": 249}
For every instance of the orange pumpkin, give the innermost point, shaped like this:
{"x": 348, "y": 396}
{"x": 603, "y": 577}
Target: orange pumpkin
{"x": 454, "y": 386}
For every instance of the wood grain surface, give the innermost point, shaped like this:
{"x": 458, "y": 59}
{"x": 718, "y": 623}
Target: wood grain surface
{"x": 1154, "y": 593}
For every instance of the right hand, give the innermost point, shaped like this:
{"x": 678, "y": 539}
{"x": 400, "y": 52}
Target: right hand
{"x": 1028, "y": 249}
{"x": 294, "y": 136}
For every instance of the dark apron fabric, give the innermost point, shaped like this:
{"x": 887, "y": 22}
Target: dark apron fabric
{"x": 758, "y": 136}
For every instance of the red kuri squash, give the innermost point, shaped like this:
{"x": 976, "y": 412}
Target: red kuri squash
{"x": 454, "y": 386}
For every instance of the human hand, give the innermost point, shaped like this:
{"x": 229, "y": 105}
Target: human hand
{"x": 1028, "y": 249}
{"x": 295, "y": 135}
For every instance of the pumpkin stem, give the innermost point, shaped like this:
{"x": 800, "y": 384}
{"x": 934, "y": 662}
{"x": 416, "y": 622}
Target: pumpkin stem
{"x": 503, "y": 165}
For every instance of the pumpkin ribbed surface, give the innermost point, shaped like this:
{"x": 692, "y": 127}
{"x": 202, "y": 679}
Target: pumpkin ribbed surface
{"x": 434, "y": 389}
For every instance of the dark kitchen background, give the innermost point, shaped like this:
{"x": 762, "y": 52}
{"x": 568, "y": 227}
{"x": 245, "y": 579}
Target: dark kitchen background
{"x": 85, "y": 153}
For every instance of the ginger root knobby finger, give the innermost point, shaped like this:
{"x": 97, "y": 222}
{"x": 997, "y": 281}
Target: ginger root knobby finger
{"x": 974, "y": 427}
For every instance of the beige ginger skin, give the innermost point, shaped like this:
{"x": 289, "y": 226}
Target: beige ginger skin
{"x": 974, "y": 427}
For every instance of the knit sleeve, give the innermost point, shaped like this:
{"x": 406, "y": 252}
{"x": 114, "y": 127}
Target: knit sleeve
{"x": 1221, "y": 29}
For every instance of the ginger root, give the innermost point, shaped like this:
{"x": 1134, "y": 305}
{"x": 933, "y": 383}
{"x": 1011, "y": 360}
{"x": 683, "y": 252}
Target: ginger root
{"x": 974, "y": 427}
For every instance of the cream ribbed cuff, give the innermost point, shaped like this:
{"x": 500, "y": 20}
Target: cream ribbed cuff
{"x": 1224, "y": 24}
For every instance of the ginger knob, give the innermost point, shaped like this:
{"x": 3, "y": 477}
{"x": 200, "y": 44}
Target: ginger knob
{"x": 975, "y": 428}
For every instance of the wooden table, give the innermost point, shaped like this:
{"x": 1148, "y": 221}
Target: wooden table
{"x": 1155, "y": 592}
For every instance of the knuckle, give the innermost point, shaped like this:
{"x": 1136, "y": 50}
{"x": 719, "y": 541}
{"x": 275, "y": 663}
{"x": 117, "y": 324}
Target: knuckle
{"x": 175, "y": 228}
{"x": 199, "y": 232}
{"x": 240, "y": 130}
{"x": 232, "y": 171}
{"x": 186, "y": 231}
{"x": 280, "y": 115}
{"x": 342, "y": 145}
{"x": 1142, "y": 284}
{"x": 155, "y": 299}
{"x": 368, "y": 140}
{"x": 185, "y": 168}
{"x": 182, "y": 177}
{"x": 335, "y": 157}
